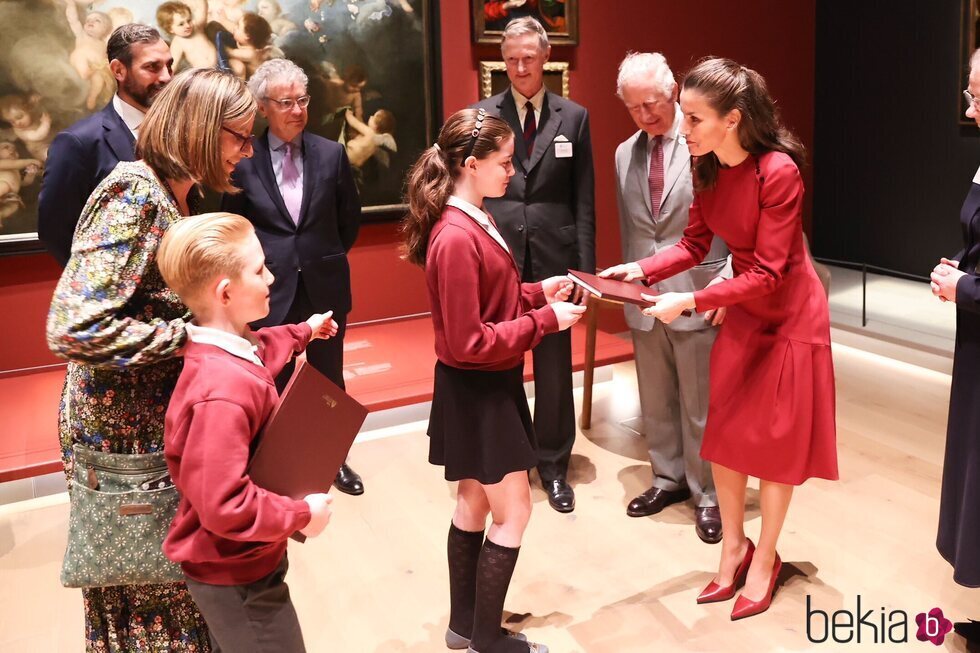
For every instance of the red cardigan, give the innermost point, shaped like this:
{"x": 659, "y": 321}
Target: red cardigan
{"x": 228, "y": 531}
{"x": 484, "y": 318}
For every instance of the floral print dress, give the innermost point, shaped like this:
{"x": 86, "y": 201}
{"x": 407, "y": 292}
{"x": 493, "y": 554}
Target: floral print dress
{"x": 120, "y": 326}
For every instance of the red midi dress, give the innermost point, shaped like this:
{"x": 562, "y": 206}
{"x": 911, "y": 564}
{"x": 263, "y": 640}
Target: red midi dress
{"x": 771, "y": 409}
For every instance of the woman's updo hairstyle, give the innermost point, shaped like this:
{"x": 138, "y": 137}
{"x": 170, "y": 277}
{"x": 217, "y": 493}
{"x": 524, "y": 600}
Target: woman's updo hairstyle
{"x": 469, "y": 132}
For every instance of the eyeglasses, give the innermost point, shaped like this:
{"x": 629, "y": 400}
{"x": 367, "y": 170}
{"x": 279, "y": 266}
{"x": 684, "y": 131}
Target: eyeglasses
{"x": 287, "y": 104}
{"x": 972, "y": 100}
{"x": 246, "y": 140}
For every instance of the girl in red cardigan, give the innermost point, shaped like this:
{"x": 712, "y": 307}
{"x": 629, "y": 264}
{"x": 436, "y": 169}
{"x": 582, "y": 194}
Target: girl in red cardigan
{"x": 484, "y": 320}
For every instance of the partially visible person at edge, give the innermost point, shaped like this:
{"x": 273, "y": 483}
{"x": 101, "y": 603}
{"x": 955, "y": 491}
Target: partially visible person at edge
{"x": 955, "y": 280}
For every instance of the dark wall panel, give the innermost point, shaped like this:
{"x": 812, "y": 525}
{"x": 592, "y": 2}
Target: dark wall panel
{"x": 891, "y": 164}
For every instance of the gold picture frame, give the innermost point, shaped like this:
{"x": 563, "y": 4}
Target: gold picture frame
{"x": 558, "y": 17}
{"x": 493, "y": 78}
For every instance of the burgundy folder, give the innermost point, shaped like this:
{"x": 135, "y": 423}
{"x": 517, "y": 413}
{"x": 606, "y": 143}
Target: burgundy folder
{"x": 613, "y": 289}
{"x": 307, "y": 437}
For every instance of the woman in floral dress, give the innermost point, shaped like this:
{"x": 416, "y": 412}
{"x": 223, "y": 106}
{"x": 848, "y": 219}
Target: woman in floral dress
{"x": 122, "y": 329}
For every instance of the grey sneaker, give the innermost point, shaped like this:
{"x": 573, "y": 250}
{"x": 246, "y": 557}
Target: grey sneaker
{"x": 531, "y": 647}
{"x": 457, "y": 642}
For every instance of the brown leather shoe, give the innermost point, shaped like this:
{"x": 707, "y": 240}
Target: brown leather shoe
{"x": 654, "y": 500}
{"x": 707, "y": 524}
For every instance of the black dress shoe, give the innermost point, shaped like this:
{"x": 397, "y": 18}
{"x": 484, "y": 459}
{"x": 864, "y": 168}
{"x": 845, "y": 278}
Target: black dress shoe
{"x": 561, "y": 496}
{"x": 970, "y": 631}
{"x": 654, "y": 500}
{"x": 348, "y": 481}
{"x": 707, "y": 524}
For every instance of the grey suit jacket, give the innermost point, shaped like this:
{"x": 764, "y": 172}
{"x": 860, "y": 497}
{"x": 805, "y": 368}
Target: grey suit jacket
{"x": 549, "y": 207}
{"x": 644, "y": 236}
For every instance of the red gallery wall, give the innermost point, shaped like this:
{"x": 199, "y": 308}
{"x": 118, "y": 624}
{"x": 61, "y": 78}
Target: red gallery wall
{"x": 773, "y": 36}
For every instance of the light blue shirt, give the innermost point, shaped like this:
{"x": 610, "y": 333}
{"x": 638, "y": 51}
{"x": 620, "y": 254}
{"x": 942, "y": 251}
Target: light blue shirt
{"x": 278, "y": 153}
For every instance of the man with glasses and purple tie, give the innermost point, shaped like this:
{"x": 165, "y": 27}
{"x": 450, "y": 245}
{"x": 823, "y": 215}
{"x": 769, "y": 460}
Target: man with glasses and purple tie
{"x": 299, "y": 192}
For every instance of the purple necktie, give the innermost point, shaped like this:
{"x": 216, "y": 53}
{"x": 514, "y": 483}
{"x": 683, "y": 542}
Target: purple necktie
{"x": 656, "y": 178}
{"x": 291, "y": 189}
{"x": 530, "y": 127}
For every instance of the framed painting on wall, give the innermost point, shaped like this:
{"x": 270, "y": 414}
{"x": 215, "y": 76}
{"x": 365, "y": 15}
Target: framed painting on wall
{"x": 493, "y": 78}
{"x": 371, "y": 67}
{"x": 969, "y": 41}
{"x": 559, "y": 18}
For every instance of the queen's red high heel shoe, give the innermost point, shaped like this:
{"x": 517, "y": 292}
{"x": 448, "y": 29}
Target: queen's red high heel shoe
{"x": 747, "y": 608}
{"x": 715, "y": 592}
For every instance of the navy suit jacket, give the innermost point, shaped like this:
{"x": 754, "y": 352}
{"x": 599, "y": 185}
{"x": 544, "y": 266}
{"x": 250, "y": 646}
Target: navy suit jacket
{"x": 78, "y": 160}
{"x": 316, "y": 247}
{"x": 549, "y": 206}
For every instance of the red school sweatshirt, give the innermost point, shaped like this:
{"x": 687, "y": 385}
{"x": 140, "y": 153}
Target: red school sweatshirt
{"x": 228, "y": 531}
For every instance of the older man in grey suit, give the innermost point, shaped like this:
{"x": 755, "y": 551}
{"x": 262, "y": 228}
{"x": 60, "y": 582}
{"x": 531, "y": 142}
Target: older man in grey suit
{"x": 654, "y": 192}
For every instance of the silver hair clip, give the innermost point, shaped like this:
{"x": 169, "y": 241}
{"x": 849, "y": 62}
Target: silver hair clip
{"x": 481, "y": 115}
{"x": 436, "y": 145}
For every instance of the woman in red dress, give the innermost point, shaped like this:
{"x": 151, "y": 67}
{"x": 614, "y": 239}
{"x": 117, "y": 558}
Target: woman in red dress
{"x": 771, "y": 411}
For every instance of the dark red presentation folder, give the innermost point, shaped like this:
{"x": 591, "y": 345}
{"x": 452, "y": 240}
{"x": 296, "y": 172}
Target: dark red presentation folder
{"x": 613, "y": 289}
{"x": 307, "y": 436}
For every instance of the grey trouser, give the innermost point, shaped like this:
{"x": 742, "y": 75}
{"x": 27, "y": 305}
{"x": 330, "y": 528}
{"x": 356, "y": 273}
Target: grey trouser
{"x": 254, "y": 618}
{"x": 672, "y": 377}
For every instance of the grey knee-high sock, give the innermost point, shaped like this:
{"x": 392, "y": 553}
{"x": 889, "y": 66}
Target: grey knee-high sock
{"x": 493, "y": 576}
{"x": 464, "y": 555}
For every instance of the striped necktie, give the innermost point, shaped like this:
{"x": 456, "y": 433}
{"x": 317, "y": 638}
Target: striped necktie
{"x": 656, "y": 177}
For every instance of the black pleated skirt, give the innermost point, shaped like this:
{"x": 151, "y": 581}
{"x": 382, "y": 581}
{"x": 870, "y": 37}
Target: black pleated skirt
{"x": 480, "y": 426}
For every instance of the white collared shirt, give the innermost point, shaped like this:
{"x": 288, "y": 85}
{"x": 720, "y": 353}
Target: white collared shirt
{"x": 130, "y": 115}
{"x": 479, "y": 217}
{"x": 278, "y": 154}
{"x": 234, "y": 345}
{"x": 669, "y": 141}
{"x": 537, "y": 102}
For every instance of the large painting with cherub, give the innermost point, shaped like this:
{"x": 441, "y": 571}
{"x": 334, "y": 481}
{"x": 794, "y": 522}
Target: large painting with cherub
{"x": 370, "y": 65}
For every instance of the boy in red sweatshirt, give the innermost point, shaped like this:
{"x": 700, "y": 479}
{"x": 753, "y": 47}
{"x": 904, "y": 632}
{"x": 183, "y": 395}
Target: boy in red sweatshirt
{"x": 229, "y": 535}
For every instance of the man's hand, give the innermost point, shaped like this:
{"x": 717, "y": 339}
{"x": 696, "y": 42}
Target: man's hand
{"x": 623, "y": 272}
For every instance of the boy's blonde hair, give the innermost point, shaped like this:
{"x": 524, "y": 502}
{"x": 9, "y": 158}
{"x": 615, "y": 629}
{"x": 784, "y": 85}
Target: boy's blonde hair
{"x": 180, "y": 138}
{"x": 167, "y": 11}
{"x": 197, "y": 250}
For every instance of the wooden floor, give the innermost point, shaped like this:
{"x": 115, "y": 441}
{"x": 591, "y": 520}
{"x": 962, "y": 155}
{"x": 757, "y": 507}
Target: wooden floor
{"x": 593, "y": 581}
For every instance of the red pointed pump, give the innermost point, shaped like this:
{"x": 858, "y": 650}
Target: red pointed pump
{"x": 714, "y": 592}
{"x": 747, "y": 608}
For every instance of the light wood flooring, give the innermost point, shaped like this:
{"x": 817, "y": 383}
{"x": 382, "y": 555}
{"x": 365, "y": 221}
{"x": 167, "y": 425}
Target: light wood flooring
{"x": 594, "y": 581}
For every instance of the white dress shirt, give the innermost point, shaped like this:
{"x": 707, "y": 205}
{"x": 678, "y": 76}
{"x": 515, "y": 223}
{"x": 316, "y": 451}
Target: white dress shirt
{"x": 234, "y": 345}
{"x": 537, "y": 101}
{"x": 479, "y": 217}
{"x": 130, "y": 115}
